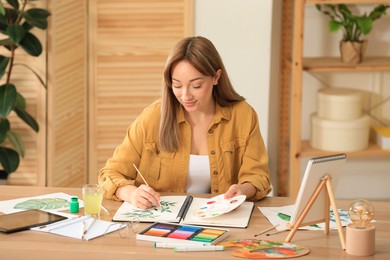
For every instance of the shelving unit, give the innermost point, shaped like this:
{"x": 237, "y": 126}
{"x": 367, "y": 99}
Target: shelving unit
{"x": 291, "y": 146}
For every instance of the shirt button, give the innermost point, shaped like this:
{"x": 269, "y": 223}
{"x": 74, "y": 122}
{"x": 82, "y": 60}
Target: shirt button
{"x": 215, "y": 173}
{"x": 158, "y": 152}
{"x": 104, "y": 178}
{"x": 213, "y": 152}
{"x": 211, "y": 131}
{"x": 216, "y": 191}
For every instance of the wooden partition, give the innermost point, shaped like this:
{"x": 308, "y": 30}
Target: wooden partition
{"x": 128, "y": 45}
{"x": 103, "y": 63}
{"x": 67, "y": 110}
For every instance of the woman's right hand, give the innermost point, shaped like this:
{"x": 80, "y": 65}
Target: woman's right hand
{"x": 143, "y": 197}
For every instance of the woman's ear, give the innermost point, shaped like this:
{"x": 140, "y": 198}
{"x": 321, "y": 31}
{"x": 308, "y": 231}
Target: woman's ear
{"x": 217, "y": 76}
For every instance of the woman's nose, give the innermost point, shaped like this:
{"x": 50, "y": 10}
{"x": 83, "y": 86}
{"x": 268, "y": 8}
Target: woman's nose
{"x": 186, "y": 93}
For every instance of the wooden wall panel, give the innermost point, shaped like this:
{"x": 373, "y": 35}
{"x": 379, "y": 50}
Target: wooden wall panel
{"x": 129, "y": 43}
{"x": 67, "y": 130}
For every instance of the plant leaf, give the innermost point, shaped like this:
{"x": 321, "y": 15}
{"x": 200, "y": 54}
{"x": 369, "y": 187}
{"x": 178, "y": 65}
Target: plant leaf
{"x": 27, "y": 26}
{"x": 16, "y": 33}
{"x": 365, "y": 24}
{"x": 2, "y": 10}
{"x": 33, "y": 71}
{"x": 4, "y": 127}
{"x": 3, "y": 65}
{"x": 9, "y": 159}
{"x": 334, "y": 26}
{"x": 17, "y": 142}
{"x": 7, "y": 99}
{"x": 10, "y": 17}
{"x": 14, "y": 3}
{"x": 20, "y": 102}
{"x": 6, "y": 43}
{"x": 378, "y": 12}
{"x": 27, "y": 118}
{"x": 37, "y": 17}
{"x": 31, "y": 45}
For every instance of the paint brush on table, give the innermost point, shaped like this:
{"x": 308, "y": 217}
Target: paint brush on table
{"x": 277, "y": 232}
{"x": 267, "y": 230}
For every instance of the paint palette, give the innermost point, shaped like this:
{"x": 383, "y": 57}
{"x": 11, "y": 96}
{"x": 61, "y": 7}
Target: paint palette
{"x": 182, "y": 234}
{"x": 217, "y": 206}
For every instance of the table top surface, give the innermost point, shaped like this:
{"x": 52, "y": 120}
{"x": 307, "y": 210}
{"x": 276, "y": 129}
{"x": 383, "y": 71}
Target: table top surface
{"x": 33, "y": 245}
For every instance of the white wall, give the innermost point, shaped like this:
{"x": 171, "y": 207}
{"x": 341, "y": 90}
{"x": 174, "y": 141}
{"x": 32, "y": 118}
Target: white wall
{"x": 247, "y": 34}
{"x": 241, "y": 30}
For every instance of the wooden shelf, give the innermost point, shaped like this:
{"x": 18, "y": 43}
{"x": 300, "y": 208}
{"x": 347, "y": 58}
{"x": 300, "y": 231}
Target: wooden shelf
{"x": 346, "y": 1}
{"x": 373, "y": 150}
{"x": 291, "y": 146}
{"x": 317, "y": 64}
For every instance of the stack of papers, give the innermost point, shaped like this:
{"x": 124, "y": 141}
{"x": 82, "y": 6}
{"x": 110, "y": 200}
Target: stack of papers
{"x": 83, "y": 227}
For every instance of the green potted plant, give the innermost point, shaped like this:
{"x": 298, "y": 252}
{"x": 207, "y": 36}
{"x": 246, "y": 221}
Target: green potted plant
{"x": 354, "y": 27}
{"x": 17, "y": 19}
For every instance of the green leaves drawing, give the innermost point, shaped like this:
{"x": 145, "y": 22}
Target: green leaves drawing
{"x": 286, "y": 217}
{"x": 283, "y": 216}
{"x": 44, "y": 204}
{"x": 165, "y": 207}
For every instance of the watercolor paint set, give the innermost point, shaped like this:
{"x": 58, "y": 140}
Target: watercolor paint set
{"x": 182, "y": 234}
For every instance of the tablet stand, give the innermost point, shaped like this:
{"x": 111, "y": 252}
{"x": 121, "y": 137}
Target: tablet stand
{"x": 329, "y": 196}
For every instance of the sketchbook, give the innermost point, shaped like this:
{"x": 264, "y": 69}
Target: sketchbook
{"x": 83, "y": 227}
{"x": 234, "y": 212}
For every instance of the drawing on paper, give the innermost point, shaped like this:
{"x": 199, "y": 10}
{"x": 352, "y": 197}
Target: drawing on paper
{"x": 155, "y": 212}
{"x": 43, "y": 204}
{"x": 286, "y": 217}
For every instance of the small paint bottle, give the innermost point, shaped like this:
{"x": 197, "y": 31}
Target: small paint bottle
{"x": 74, "y": 205}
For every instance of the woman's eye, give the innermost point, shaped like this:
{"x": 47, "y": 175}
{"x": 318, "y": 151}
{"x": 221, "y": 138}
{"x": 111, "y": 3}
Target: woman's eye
{"x": 176, "y": 86}
{"x": 196, "y": 86}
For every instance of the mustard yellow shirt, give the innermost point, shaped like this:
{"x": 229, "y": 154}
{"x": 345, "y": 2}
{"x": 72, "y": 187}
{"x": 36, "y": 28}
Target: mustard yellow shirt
{"x": 236, "y": 150}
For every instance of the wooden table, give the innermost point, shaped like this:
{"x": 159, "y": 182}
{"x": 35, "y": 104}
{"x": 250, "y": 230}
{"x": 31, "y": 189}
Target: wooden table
{"x": 39, "y": 245}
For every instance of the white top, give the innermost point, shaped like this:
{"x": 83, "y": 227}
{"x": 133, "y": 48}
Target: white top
{"x": 198, "y": 177}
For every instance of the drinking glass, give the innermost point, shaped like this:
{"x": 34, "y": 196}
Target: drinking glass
{"x": 93, "y": 197}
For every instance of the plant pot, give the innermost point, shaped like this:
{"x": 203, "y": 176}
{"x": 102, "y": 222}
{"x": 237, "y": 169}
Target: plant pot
{"x": 352, "y": 52}
{"x": 3, "y": 177}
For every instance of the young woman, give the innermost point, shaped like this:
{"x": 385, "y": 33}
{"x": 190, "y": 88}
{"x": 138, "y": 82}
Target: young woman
{"x": 201, "y": 137}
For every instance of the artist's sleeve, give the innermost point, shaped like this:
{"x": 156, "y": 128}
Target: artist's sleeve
{"x": 254, "y": 168}
{"x": 118, "y": 170}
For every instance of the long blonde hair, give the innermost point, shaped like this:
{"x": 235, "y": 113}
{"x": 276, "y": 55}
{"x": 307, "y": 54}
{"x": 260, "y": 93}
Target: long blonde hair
{"x": 204, "y": 57}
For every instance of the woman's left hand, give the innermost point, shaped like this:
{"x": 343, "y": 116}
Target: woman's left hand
{"x": 246, "y": 189}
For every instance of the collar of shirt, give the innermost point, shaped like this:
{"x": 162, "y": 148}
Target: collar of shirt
{"x": 220, "y": 113}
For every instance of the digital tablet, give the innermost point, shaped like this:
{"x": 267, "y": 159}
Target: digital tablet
{"x": 24, "y": 220}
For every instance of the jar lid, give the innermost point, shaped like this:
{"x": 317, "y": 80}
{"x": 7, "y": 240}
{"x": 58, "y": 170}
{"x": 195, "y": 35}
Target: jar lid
{"x": 340, "y": 95}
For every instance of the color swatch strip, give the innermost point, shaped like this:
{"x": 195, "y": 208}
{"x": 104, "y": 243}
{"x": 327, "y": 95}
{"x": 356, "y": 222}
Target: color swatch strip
{"x": 194, "y": 233}
{"x": 208, "y": 235}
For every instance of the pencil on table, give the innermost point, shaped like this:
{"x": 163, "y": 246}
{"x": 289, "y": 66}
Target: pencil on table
{"x": 88, "y": 227}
